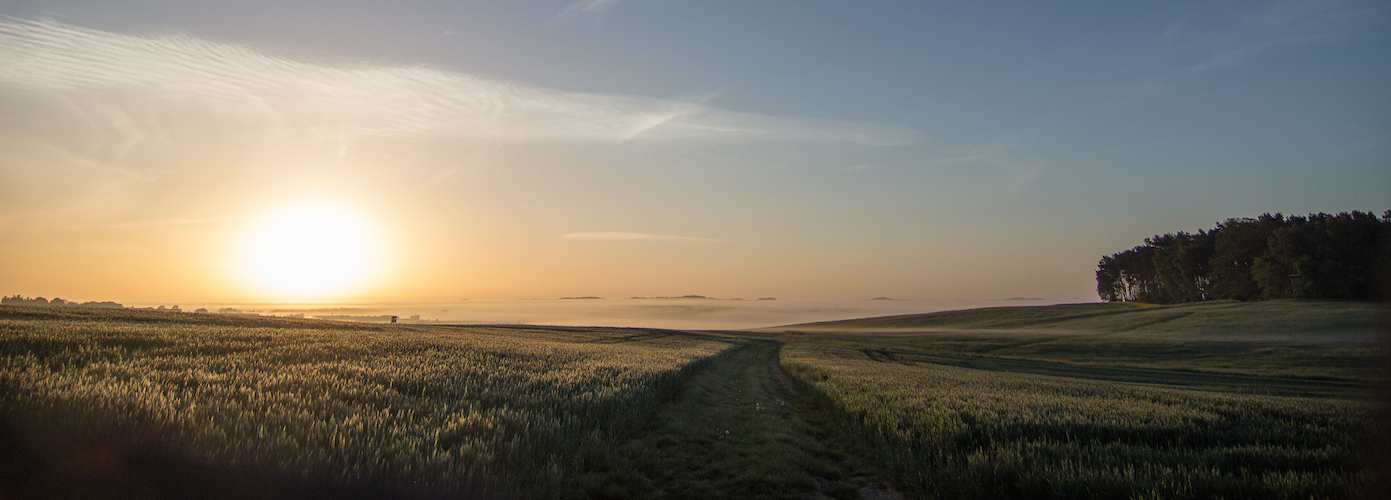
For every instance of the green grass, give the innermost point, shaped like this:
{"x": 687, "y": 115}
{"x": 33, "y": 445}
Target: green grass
{"x": 1283, "y": 318}
{"x": 1220, "y": 400}
{"x": 954, "y": 432}
{"x": 734, "y": 433}
{"x": 432, "y": 410}
{"x": 1318, "y": 340}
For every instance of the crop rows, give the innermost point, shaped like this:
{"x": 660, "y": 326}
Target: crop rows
{"x": 492, "y": 411}
{"x": 956, "y": 432}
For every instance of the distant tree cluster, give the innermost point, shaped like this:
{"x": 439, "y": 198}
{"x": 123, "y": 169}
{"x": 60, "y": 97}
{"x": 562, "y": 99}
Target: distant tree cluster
{"x": 1342, "y": 256}
{"x": 20, "y": 300}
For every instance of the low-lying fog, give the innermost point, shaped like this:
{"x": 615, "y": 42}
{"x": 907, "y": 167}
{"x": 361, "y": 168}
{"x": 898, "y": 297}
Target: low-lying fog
{"x": 678, "y": 313}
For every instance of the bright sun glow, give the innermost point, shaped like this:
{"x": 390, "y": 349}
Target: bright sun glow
{"x": 311, "y": 250}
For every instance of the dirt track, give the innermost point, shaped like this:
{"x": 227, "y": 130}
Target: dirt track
{"x": 740, "y": 430}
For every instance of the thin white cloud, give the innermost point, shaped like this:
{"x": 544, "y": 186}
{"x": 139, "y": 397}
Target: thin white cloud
{"x": 1008, "y": 154}
{"x": 169, "y": 222}
{"x": 1283, "y": 24}
{"x": 615, "y": 236}
{"x": 136, "y": 73}
{"x": 855, "y": 168}
{"x": 588, "y": 7}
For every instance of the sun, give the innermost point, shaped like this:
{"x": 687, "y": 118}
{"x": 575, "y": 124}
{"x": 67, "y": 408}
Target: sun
{"x": 310, "y": 250}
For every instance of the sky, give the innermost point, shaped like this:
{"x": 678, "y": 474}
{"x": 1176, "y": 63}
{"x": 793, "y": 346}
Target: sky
{"x": 199, "y": 151}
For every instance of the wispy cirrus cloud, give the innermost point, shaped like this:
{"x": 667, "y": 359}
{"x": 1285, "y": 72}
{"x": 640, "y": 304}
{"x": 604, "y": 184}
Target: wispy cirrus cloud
{"x": 587, "y": 7}
{"x": 169, "y": 222}
{"x": 1011, "y": 155}
{"x": 1277, "y": 25}
{"x": 616, "y": 236}
{"x": 1288, "y": 23}
{"x": 134, "y": 72}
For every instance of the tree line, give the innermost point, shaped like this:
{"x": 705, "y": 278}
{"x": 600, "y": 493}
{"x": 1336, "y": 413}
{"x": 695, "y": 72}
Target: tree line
{"x": 1346, "y": 256}
{"x": 20, "y": 300}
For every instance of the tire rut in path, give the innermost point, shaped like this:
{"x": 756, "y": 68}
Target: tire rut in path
{"x": 737, "y": 430}
{"x": 775, "y": 370}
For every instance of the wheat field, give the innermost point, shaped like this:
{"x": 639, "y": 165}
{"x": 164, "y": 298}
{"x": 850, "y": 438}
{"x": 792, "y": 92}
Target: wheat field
{"x": 488, "y": 411}
{"x": 1077, "y": 401}
{"x": 1099, "y": 401}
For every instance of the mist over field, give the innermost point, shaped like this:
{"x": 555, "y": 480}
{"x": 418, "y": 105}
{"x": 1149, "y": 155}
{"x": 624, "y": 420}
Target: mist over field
{"x": 677, "y": 313}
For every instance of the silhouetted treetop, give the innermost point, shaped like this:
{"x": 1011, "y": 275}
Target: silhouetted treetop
{"x": 1346, "y": 256}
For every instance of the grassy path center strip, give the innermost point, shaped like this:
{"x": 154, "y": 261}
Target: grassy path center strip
{"x": 736, "y": 432}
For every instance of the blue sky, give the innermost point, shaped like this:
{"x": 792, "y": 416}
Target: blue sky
{"x": 815, "y": 149}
